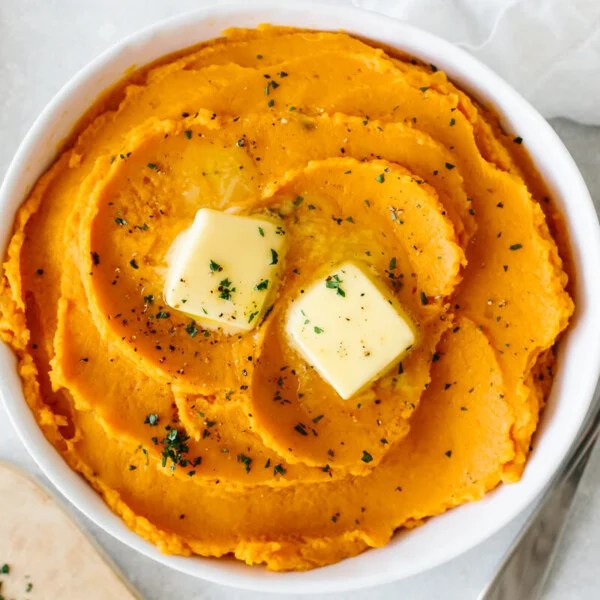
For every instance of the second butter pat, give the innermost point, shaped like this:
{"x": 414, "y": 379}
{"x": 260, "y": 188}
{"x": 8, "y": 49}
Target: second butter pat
{"x": 225, "y": 268}
{"x": 349, "y": 329}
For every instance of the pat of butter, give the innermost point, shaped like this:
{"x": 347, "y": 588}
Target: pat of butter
{"x": 349, "y": 329}
{"x": 224, "y": 269}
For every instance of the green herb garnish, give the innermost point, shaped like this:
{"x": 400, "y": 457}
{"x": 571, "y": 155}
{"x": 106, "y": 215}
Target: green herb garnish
{"x": 333, "y": 283}
{"x": 301, "y": 429}
{"x": 175, "y": 448}
{"x": 191, "y": 329}
{"x": 214, "y": 266}
{"x": 246, "y": 461}
{"x": 225, "y": 289}
{"x": 151, "y": 419}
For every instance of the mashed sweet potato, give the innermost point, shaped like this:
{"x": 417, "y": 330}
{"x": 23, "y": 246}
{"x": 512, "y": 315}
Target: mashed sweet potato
{"x": 212, "y": 444}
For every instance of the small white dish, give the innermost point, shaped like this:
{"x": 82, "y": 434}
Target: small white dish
{"x": 445, "y": 536}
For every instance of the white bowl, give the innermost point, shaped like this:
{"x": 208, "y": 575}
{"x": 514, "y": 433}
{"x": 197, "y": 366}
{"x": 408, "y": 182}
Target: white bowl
{"x": 445, "y": 536}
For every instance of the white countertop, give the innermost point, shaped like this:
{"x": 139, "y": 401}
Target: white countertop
{"x": 42, "y": 44}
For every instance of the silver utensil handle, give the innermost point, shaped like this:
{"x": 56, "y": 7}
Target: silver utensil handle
{"x": 527, "y": 562}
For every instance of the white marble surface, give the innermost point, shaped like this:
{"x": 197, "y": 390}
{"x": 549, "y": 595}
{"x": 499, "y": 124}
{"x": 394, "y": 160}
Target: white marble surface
{"x": 43, "y": 43}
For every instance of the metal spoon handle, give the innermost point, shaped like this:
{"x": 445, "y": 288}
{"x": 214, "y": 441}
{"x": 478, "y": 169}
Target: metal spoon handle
{"x": 527, "y": 562}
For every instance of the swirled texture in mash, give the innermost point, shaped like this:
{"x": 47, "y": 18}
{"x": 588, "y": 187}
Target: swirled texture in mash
{"x": 212, "y": 444}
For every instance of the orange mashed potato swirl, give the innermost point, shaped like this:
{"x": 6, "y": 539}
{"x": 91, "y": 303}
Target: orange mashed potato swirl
{"x": 210, "y": 444}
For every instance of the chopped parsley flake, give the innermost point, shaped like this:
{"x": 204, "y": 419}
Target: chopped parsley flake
{"x": 318, "y": 330}
{"x": 301, "y": 429}
{"x": 274, "y": 257}
{"x": 246, "y": 461}
{"x": 516, "y": 246}
{"x": 191, "y": 329}
{"x": 333, "y": 283}
{"x": 262, "y": 285}
{"x": 380, "y": 178}
{"x": 424, "y": 300}
{"x": 153, "y": 166}
{"x": 366, "y": 457}
{"x": 214, "y": 267}
{"x": 188, "y": 134}
{"x": 162, "y": 314}
{"x": 151, "y": 419}
{"x": 279, "y": 470}
{"x": 120, "y": 221}
{"x": 134, "y": 264}
{"x": 261, "y": 231}
{"x": 175, "y": 448}
{"x": 449, "y": 166}
{"x": 225, "y": 289}
{"x": 252, "y": 316}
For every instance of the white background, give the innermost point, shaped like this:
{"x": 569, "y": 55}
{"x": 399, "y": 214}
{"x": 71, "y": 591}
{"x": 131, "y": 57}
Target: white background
{"x": 42, "y": 44}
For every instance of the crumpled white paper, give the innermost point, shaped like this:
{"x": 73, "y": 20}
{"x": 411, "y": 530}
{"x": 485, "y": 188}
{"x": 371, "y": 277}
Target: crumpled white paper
{"x": 549, "y": 50}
